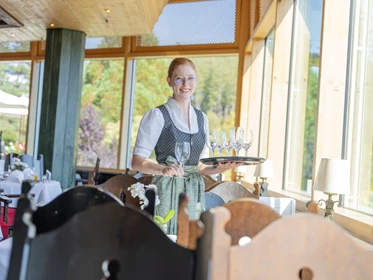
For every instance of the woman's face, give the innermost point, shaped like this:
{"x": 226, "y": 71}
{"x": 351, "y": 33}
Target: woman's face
{"x": 182, "y": 82}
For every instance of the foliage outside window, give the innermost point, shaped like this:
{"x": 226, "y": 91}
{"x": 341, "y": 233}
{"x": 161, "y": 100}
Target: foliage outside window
{"x": 12, "y": 47}
{"x": 303, "y": 92}
{"x": 360, "y": 114}
{"x": 215, "y": 93}
{"x": 14, "y": 103}
{"x": 266, "y": 95}
{"x": 101, "y": 104}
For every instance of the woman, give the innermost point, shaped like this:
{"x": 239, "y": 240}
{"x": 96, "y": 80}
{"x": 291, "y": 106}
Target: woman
{"x": 160, "y": 129}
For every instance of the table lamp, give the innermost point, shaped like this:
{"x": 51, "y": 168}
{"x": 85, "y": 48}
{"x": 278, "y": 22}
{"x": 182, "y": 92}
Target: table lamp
{"x": 264, "y": 171}
{"x": 332, "y": 178}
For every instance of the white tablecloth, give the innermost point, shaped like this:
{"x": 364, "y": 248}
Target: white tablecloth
{"x": 44, "y": 192}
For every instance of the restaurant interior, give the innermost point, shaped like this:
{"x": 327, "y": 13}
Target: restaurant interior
{"x": 289, "y": 78}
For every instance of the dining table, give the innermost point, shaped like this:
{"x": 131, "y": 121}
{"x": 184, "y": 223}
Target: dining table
{"x": 43, "y": 191}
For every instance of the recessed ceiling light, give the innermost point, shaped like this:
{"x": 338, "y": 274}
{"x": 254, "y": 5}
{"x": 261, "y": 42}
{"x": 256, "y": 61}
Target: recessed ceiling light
{"x": 51, "y": 25}
{"x": 107, "y": 10}
{"x": 13, "y": 34}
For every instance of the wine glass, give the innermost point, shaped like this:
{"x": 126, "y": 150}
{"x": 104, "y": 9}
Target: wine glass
{"x": 212, "y": 142}
{"x": 182, "y": 152}
{"x": 236, "y": 138}
{"x": 248, "y": 140}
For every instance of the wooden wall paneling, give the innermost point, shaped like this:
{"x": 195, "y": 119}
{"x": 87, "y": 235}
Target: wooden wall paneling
{"x": 253, "y": 108}
{"x": 280, "y": 84}
{"x": 126, "y": 18}
{"x": 265, "y": 25}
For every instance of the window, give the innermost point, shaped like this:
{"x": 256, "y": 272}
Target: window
{"x": 14, "y": 104}
{"x": 207, "y": 22}
{"x": 101, "y": 103}
{"x": 14, "y": 47}
{"x": 303, "y": 92}
{"x": 215, "y": 93}
{"x": 266, "y": 94}
{"x": 360, "y": 115}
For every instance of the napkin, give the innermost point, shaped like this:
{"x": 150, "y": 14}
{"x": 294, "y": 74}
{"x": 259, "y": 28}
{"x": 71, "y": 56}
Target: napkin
{"x": 49, "y": 175}
{"x": 16, "y": 176}
{"x": 28, "y": 173}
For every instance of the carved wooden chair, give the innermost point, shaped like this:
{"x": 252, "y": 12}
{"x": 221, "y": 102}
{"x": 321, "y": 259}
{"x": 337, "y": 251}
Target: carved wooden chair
{"x": 105, "y": 236}
{"x": 230, "y": 191}
{"x": 93, "y": 175}
{"x": 118, "y": 186}
{"x": 51, "y": 216}
{"x": 248, "y": 217}
{"x": 289, "y": 248}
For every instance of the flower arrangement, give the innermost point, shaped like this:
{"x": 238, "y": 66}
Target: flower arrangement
{"x": 138, "y": 190}
{"x": 19, "y": 165}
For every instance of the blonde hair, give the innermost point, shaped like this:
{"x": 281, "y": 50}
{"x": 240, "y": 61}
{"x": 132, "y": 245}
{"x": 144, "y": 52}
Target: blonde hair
{"x": 178, "y": 62}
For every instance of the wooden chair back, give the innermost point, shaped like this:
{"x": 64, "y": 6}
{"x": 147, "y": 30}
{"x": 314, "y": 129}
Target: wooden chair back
{"x": 287, "y": 248}
{"x": 51, "y": 216}
{"x": 105, "y": 233}
{"x": 93, "y": 175}
{"x": 146, "y": 179}
{"x": 118, "y": 186}
{"x": 188, "y": 231}
{"x": 209, "y": 181}
{"x": 248, "y": 217}
{"x": 230, "y": 191}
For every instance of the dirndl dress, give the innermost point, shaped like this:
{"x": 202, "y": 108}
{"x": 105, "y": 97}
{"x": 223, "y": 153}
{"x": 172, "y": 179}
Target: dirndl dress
{"x": 191, "y": 183}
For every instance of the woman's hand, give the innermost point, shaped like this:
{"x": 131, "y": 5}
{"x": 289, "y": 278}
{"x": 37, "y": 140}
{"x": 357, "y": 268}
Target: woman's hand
{"x": 173, "y": 169}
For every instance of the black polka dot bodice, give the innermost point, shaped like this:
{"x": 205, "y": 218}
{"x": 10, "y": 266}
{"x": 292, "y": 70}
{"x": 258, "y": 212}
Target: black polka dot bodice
{"x": 171, "y": 134}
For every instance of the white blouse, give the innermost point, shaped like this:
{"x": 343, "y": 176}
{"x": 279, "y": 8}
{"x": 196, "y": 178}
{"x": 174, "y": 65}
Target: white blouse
{"x": 152, "y": 124}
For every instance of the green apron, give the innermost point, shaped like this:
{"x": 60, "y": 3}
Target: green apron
{"x": 169, "y": 188}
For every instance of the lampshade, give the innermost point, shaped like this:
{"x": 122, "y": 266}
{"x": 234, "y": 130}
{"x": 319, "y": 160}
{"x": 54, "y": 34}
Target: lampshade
{"x": 333, "y": 176}
{"x": 264, "y": 170}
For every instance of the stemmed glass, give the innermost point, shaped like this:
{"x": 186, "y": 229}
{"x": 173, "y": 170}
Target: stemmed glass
{"x": 182, "y": 152}
{"x": 224, "y": 142}
{"x": 212, "y": 142}
{"x": 236, "y": 138}
{"x": 248, "y": 140}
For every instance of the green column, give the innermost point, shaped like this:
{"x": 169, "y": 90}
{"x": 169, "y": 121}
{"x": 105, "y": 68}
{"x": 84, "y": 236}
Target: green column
{"x": 62, "y": 87}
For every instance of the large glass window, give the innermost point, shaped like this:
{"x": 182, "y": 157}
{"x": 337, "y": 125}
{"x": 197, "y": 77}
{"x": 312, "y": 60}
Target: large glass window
{"x": 14, "y": 105}
{"x": 303, "y": 92}
{"x": 208, "y": 22}
{"x": 101, "y": 104}
{"x": 215, "y": 94}
{"x": 360, "y": 114}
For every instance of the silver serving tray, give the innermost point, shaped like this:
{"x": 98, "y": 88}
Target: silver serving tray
{"x": 244, "y": 160}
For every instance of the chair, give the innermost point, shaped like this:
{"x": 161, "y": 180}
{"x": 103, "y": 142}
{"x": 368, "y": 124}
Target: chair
{"x": 9, "y": 160}
{"x": 213, "y": 200}
{"x": 248, "y": 217}
{"x": 230, "y": 191}
{"x": 118, "y": 186}
{"x": 51, "y": 216}
{"x": 108, "y": 234}
{"x": 288, "y": 248}
{"x": 208, "y": 180}
{"x": 93, "y": 175}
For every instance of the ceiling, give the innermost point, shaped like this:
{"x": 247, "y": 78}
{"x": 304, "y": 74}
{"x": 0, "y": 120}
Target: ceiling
{"x": 126, "y": 17}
